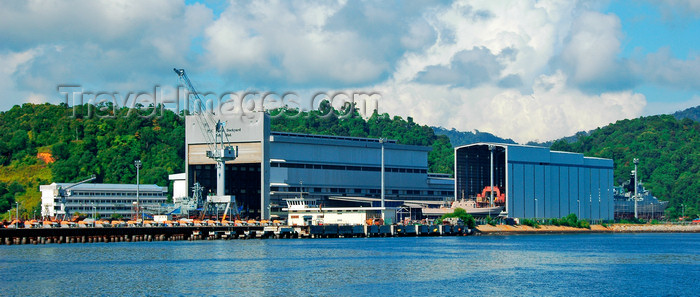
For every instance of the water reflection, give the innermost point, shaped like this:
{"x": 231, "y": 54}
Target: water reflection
{"x": 591, "y": 264}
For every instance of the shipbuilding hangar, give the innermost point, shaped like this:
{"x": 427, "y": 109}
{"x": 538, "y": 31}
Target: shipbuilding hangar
{"x": 534, "y": 182}
{"x": 246, "y": 175}
{"x": 338, "y": 171}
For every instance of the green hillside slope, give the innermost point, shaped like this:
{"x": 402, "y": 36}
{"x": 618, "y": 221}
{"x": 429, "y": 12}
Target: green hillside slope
{"x": 44, "y": 143}
{"x": 668, "y": 150}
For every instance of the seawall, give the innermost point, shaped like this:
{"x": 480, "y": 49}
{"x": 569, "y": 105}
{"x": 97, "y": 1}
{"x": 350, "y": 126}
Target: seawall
{"x": 615, "y": 228}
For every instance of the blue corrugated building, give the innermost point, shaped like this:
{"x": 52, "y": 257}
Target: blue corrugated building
{"x": 537, "y": 182}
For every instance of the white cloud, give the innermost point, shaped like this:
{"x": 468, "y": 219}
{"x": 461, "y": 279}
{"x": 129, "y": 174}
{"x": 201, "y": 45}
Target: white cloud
{"x": 288, "y": 42}
{"x": 673, "y": 8}
{"x": 523, "y": 69}
{"x": 515, "y": 97}
{"x": 102, "y": 45}
{"x": 551, "y": 111}
{"x": 592, "y": 46}
{"x": 13, "y": 64}
{"x": 663, "y": 69}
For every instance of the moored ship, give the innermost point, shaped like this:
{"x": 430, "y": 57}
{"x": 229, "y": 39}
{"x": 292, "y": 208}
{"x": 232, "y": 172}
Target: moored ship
{"x": 476, "y": 206}
{"x": 648, "y": 206}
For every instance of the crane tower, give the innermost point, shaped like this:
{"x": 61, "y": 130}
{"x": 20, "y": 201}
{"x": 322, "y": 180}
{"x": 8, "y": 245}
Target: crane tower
{"x": 217, "y": 140}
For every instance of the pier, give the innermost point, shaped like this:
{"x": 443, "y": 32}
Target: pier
{"x": 10, "y": 236}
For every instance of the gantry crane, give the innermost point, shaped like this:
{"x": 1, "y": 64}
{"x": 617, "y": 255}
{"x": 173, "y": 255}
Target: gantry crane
{"x": 219, "y": 149}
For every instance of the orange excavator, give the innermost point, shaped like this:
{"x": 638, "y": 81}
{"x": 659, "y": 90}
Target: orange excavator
{"x": 498, "y": 197}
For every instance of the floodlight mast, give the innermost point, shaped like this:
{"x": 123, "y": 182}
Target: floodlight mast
{"x": 219, "y": 149}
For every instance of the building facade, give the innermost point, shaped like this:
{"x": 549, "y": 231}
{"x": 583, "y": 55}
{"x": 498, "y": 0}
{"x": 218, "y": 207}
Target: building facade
{"x": 102, "y": 199}
{"x": 537, "y": 182}
{"x": 273, "y": 166}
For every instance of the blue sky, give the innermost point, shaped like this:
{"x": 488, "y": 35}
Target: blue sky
{"x": 526, "y": 70}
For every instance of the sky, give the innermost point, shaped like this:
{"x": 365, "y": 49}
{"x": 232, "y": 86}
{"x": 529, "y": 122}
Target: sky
{"x": 526, "y": 70}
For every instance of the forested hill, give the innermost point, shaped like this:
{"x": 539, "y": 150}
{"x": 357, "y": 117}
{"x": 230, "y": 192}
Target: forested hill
{"x": 692, "y": 113}
{"x": 668, "y": 150}
{"x": 458, "y": 138}
{"x": 44, "y": 143}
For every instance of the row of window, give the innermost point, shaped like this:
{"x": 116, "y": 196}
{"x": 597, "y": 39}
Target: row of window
{"x": 141, "y": 194}
{"x": 362, "y": 191}
{"x": 89, "y": 201}
{"x": 349, "y": 167}
{"x": 98, "y": 208}
{"x": 230, "y": 168}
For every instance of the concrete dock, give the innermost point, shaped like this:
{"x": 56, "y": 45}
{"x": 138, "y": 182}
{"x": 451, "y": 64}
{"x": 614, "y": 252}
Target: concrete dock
{"x": 9, "y": 236}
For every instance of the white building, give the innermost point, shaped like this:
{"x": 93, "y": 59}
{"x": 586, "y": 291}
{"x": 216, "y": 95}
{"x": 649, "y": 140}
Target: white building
{"x": 179, "y": 186}
{"x": 103, "y": 199}
{"x": 306, "y": 212}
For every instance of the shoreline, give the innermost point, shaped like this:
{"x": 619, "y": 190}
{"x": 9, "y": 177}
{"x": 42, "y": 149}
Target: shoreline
{"x": 615, "y": 228}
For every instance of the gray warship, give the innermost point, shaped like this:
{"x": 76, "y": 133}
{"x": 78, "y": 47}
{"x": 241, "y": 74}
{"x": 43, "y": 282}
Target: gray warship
{"x": 648, "y": 206}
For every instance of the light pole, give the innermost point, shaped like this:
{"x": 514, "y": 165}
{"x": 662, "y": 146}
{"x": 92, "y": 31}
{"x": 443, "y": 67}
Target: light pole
{"x": 137, "y": 163}
{"x": 683, "y": 210}
{"x": 578, "y": 202}
{"x": 17, "y": 213}
{"x": 491, "y": 147}
{"x": 535, "y": 209}
{"x": 382, "y": 141}
{"x": 94, "y": 215}
{"x": 636, "y": 161}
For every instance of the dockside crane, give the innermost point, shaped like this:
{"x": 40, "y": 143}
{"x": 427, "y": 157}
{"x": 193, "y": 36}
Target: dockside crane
{"x": 62, "y": 192}
{"x": 217, "y": 141}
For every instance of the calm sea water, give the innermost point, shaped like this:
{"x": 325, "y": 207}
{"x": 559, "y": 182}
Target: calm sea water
{"x": 529, "y": 265}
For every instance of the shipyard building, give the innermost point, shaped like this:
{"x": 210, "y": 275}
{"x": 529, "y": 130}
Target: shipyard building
{"x": 274, "y": 166}
{"x": 104, "y": 199}
{"x": 534, "y": 181}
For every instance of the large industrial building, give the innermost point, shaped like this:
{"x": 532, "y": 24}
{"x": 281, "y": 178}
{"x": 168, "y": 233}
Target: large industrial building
{"x": 341, "y": 171}
{"x": 537, "y": 182}
{"x": 273, "y": 166}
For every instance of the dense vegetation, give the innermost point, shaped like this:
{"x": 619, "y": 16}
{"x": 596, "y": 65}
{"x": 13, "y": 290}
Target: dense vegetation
{"x": 571, "y": 221}
{"x": 44, "y": 143}
{"x": 668, "y": 150}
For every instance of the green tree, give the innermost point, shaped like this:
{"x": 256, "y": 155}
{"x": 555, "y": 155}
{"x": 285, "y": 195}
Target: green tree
{"x": 461, "y": 214}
